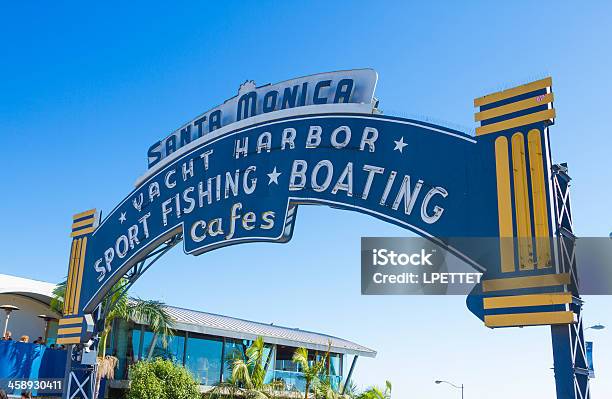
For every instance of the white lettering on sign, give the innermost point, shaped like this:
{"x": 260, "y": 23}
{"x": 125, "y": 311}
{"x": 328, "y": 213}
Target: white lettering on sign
{"x": 353, "y": 86}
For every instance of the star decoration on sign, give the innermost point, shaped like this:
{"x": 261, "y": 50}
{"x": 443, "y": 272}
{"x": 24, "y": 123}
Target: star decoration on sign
{"x": 273, "y": 176}
{"x": 122, "y": 217}
{"x": 399, "y": 145}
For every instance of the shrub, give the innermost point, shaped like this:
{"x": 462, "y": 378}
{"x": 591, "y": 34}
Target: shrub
{"x": 161, "y": 379}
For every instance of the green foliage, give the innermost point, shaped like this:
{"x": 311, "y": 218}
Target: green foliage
{"x": 144, "y": 383}
{"x": 161, "y": 379}
{"x": 57, "y": 302}
{"x": 376, "y": 392}
{"x": 325, "y": 390}
{"x": 247, "y": 380}
{"x": 120, "y": 306}
{"x": 313, "y": 371}
{"x": 248, "y": 375}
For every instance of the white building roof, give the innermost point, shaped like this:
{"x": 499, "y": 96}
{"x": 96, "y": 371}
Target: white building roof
{"x": 210, "y": 323}
{"x": 231, "y": 327}
{"x": 39, "y": 290}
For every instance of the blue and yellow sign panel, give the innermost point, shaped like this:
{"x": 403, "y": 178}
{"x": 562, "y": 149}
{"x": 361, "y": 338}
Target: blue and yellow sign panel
{"x": 515, "y": 123}
{"x": 243, "y": 182}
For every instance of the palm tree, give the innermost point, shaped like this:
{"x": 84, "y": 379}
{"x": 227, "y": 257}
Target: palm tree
{"x": 120, "y": 306}
{"x": 311, "y": 370}
{"x": 376, "y": 392}
{"x": 326, "y": 390}
{"x": 248, "y": 375}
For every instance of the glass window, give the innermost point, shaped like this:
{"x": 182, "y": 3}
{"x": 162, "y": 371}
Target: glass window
{"x": 284, "y": 355}
{"x": 204, "y": 359}
{"x": 290, "y": 374}
{"x": 153, "y": 346}
{"x": 122, "y": 347}
{"x": 136, "y": 334}
{"x": 234, "y": 349}
{"x": 335, "y": 359}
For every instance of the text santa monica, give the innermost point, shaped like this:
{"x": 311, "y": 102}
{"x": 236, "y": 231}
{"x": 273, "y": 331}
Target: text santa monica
{"x": 353, "y": 86}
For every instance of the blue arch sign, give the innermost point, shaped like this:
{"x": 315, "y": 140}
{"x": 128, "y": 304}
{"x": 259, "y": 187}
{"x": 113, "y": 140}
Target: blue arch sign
{"x": 239, "y": 172}
{"x": 243, "y": 181}
{"x": 246, "y": 186}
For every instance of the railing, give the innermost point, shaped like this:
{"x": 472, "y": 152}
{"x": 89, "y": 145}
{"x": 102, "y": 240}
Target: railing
{"x": 293, "y": 380}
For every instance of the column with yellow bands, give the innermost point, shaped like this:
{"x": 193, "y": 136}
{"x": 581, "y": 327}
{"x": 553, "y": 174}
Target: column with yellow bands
{"x": 519, "y": 118}
{"x": 538, "y": 193}
{"x": 521, "y": 202}
{"x": 71, "y": 325}
{"x": 520, "y": 170}
{"x": 528, "y": 213}
{"x": 75, "y": 276}
{"x": 504, "y": 205}
{"x": 83, "y": 224}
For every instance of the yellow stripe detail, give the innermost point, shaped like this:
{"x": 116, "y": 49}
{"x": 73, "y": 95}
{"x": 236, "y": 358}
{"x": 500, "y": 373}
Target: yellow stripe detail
{"x": 71, "y": 273}
{"x": 514, "y": 107}
{"x": 83, "y": 214}
{"x": 513, "y": 92}
{"x": 68, "y": 340}
{"x": 82, "y": 232}
{"x": 75, "y": 309}
{"x": 521, "y": 202}
{"x": 530, "y": 319}
{"x": 538, "y": 190}
{"x": 516, "y": 301}
{"x": 69, "y": 330}
{"x": 512, "y": 283}
{"x": 504, "y": 205}
{"x": 73, "y": 292}
{"x": 75, "y": 267}
{"x": 84, "y": 222}
{"x": 528, "y": 119}
{"x": 70, "y": 321}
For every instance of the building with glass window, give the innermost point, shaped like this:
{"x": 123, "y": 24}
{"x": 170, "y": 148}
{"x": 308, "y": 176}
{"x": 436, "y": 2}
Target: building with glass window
{"x": 204, "y": 343}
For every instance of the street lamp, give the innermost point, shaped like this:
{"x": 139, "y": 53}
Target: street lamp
{"x": 47, "y": 319}
{"x": 596, "y": 327}
{"x": 8, "y": 309}
{"x": 451, "y": 384}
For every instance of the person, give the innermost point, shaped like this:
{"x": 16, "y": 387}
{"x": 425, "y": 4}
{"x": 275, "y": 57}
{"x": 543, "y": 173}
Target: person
{"x": 52, "y": 346}
{"x": 24, "y": 338}
{"x": 26, "y": 395}
{"x": 8, "y": 336}
{"x": 3, "y": 394}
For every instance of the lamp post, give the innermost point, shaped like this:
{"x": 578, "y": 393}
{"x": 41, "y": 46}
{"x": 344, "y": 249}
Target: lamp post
{"x": 596, "y": 327}
{"x": 8, "y": 309}
{"x": 47, "y": 319}
{"x": 451, "y": 384}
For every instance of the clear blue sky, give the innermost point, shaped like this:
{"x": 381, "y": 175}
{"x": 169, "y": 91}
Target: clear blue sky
{"x": 85, "y": 90}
